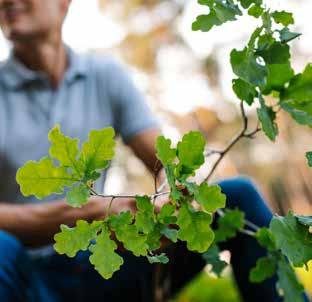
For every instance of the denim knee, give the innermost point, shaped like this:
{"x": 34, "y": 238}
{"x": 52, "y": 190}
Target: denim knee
{"x": 242, "y": 193}
{"x": 10, "y": 247}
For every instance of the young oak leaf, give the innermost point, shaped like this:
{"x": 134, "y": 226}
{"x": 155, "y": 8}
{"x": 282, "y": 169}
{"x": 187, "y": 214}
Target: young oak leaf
{"x": 72, "y": 240}
{"x": 296, "y": 98}
{"x": 195, "y": 228}
{"x": 245, "y": 66}
{"x": 286, "y": 35}
{"x": 305, "y": 220}
{"x": 266, "y": 239}
{"x": 256, "y": 11}
{"x": 210, "y": 197}
{"x": 228, "y": 225}
{"x": 283, "y": 18}
{"x": 220, "y": 12}
{"x": 166, "y": 214}
{"x": 64, "y": 148}
{"x": 289, "y": 233}
{"x": 162, "y": 258}
{"x": 175, "y": 193}
{"x": 309, "y": 158}
{"x": 42, "y": 178}
{"x": 244, "y": 91}
{"x": 165, "y": 153}
{"x": 128, "y": 234}
{"x": 99, "y": 149}
{"x": 212, "y": 257}
{"x": 145, "y": 216}
{"x": 153, "y": 238}
{"x": 288, "y": 284}
{"x": 264, "y": 269}
{"x": 191, "y": 151}
{"x": 104, "y": 258}
{"x": 278, "y": 76}
{"x": 78, "y": 195}
{"x": 267, "y": 118}
{"x": 246, "y": 3}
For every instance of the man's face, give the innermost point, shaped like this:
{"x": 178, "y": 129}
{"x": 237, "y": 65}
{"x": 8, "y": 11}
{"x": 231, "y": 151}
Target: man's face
{"x": 26, "y": 19}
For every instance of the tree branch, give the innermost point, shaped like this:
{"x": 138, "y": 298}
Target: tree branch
{"x": 242, "y": 134}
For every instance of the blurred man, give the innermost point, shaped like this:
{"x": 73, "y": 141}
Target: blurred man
{"x": 43, "y": 83}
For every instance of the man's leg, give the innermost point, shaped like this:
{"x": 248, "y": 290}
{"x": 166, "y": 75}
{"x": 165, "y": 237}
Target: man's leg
{"x": 18, "y": 280}
{"x": 241, "y": 193}
{"x": 184, "y": 265}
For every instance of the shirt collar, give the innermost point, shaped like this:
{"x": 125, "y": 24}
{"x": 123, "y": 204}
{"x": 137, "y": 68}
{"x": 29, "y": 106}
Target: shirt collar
{"x": 15, "y": 75}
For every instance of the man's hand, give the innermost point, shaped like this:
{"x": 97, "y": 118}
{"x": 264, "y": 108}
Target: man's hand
{"x": 36, "y": 224}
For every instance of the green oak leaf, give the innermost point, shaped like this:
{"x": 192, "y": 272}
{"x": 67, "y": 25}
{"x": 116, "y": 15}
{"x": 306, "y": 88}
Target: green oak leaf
{"x": 305, "y": 220}
{"x": 266, "y": 239}
{"x": 64, "y": 149}
{"x": 78, "y": 196}
{"x": 191, "y": 151}
{"x": 169, "y": 233}
{"x": 245, "y": 66}
{"x": 104, "y": 258}
{"x": 206, "y": 22}
{"x": 210, "y": 197}
{"x": 165, "y": 153}
{"x": 153, "y": 238}
{"x": 166, "y": 214}
{"x": 255, "y": 11}
{"x": 175, "y": 193}
{"x": 162, "y": 258}
{"x": 228, "y": 225}
{"x": 72, "y": 240}
{"x": 292, "y": 238}
{"x": 99, "y": 149}
{"x": 267, "y": 118}
{"x": 296, "y": 99}
{"x": 226, "y": 10}
{"x": 286, "y": 35}
{"x": 278, "y": 76}
{"x": 264, "y": 42}
{"x": 42, "y": 178}
{"x": 276, "y": 53}
{"x": 265, "y": 269}
{"x": 283, "y": 18}
{"x": 220, "y": 12}
{"x": 299, "y": 88}
{"x": 288, "y": 283}
{"x": 309, "y": 158}
{"x": 246, "y": 3}
{"x": 244, "y": 91}
{"x": 212, "y": 257}
{"x": 195, "y": 228}
{"x": 128, "y": 234}
{"x": 145, "y": 217}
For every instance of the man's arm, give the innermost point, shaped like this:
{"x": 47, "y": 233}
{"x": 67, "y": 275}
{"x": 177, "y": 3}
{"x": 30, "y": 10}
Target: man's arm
{"x": 143, "y": 145}
{"x": 35, "y": 224}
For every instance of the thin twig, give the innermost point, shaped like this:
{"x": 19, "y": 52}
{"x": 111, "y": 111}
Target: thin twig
{"x": 110, "y": 206}
{"x": 247, "y": 232}
{"x": 132, "y": 196}
{"x": 242, "y": 134}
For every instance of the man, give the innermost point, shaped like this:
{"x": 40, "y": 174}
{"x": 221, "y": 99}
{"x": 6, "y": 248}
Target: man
{"x": 44, "y": 83}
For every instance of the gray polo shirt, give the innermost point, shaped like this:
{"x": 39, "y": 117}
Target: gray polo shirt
{"x": 95, "y": 92}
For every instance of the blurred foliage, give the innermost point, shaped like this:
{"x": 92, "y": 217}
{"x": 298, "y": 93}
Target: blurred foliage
{"x": 205, "y": 288}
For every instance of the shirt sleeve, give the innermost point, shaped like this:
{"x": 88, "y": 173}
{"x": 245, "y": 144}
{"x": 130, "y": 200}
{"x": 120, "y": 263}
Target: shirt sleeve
{"x": 131, "y": 112}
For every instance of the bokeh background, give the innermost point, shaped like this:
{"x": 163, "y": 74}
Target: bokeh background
{"x": 186, "y": 78}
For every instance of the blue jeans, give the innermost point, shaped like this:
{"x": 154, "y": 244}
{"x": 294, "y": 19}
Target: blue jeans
{"x": 58, "y": 278}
